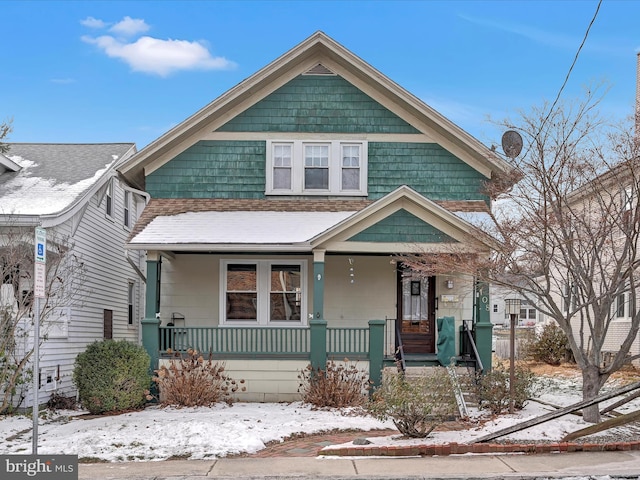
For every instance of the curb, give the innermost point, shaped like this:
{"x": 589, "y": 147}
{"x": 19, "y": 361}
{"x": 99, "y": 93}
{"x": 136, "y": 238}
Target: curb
{"x": 465, "y": 448}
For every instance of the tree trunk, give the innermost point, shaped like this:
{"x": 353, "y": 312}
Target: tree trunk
{"x": 591, "y": 383}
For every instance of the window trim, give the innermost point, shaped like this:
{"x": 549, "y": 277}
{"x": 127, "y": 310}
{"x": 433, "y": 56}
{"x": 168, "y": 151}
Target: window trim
{"x": 298, "y": 167}
{"x": 131, "y": 302}
{"x": 263, "y": 269}
{"x": 109, "y": 196}
{"x": 126, "y": 212}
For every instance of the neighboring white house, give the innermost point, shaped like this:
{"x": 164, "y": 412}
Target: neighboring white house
{"x": 529, "y": 315}
{"x": 74, "y": 192}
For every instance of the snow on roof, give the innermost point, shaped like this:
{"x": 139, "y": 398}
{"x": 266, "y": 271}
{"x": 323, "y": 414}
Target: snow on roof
{"x": 238, "y": 227}
{"x": 53, "y": 176}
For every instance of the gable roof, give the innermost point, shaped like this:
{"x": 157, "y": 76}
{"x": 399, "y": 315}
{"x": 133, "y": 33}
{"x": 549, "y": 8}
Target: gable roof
{"x": 53, "y": 178}
{"x": 318, "y": 49}
{"x": 208, "y": 225}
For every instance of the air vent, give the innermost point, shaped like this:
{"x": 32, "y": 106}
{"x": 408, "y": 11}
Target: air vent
{"x": 319, "y": 69}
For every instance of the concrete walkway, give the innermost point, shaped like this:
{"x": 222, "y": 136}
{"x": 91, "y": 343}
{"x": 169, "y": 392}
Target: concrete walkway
{"x": 614, "y": 464}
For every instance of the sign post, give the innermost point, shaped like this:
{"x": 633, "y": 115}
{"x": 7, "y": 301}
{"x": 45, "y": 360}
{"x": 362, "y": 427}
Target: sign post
{"x": 39, "y": 287}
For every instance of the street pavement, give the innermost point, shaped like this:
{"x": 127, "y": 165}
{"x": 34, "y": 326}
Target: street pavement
{"x": 615, "y": 464}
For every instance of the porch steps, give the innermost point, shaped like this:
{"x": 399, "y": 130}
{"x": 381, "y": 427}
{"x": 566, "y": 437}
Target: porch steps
{"x": 462, "y": 379}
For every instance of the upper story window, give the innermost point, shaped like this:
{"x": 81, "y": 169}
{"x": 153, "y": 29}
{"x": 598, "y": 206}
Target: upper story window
{"x": 108, "y": 197}
{"x": 302, "y": 167}
{"x": 126, "y": 220}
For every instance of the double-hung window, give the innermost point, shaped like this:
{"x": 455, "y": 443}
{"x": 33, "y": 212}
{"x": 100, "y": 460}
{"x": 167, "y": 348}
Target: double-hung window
{"x": 108, "y": 197}
{"x": 301, "y": 167}
{"x": 126, "y": 219}
{"x": 263, "y": 292}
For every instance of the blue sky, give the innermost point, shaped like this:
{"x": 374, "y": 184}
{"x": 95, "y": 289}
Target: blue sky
{"x": 116, "y": 71}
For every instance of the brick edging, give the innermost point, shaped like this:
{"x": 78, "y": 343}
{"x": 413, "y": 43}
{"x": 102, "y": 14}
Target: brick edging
{"x": 463, "y": 448}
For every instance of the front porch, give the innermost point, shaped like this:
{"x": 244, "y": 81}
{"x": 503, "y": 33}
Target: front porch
{"x": 270, "y": 359}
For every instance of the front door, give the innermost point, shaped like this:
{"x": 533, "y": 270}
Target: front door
{"x": 417, "y": 311}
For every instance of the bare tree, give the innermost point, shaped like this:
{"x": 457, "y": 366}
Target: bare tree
{"x": 65, "y": 275}
{"x": 568, "y": 232}
{"x": 5, "y": 129}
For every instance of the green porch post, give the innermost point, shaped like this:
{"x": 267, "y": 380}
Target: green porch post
{"x": 318, "y": 284}
{"x": 150, "y": 324}
{"x": 376, "y": 351}
{"x": 483, "y": 326}
{"x": 318, "y": 344}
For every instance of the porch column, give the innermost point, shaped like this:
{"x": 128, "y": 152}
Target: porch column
{"x": 150, "y": 324}
{"x": 318, "y": 345}
{"x": 376, "y": 351}
{"x": 318, "y": 284}
{"x": 483, "y": 326}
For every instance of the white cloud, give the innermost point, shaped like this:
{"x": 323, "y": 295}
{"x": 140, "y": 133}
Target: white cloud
{"x": 93, "y": 23}
{"x": 129, "y": 27}
{"x": 160, "y": 57}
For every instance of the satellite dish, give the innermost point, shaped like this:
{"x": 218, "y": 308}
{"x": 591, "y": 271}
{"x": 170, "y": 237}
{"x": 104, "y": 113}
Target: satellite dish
{"x": 511, "y": 144}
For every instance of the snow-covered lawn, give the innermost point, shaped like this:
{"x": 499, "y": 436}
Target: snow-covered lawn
{"x": 159, "y": 433}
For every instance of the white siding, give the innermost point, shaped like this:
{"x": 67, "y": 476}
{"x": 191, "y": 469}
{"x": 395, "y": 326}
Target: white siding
{"x": 99, "y": 242}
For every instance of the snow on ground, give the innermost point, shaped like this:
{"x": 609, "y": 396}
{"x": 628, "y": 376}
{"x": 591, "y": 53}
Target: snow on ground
{"x": 159, "y": 433}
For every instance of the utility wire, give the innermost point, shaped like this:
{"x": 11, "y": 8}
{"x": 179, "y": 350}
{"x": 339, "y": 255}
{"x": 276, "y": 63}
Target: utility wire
{"x": 566, "y": 79}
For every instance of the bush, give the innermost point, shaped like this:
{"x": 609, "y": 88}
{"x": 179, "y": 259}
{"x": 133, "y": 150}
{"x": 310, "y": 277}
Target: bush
{"x": 192, "y": 381}
{"x": 416, "y": 405}
{"x": 337, "y": 386}
{"x": 493, "y": 390}
{"x": 551, "y": 346}
{"x": 112, "y": 376}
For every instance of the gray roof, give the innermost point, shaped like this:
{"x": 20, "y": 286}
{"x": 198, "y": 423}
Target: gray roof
{"x": 53, "y": 177}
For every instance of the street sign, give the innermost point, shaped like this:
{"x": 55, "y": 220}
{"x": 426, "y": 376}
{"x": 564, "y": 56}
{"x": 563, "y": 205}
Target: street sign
{"x": 40, "y": 280}
{"x": 40, "y": 262}
{"x": 41, "y": 245}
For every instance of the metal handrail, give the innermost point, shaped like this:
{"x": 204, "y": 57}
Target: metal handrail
{"x": 472, "y": 342}
{"x": 400, "y": 348}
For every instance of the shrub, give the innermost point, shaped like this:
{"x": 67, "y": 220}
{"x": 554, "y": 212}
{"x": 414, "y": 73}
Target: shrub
{"x": 338, "y": 385}
{"x": 192, "y": 381}
{"x": 57, "y": 401}
{"x": 111, "y": 376}
{"x": 551, "y": 346}
{"x": 416, "y": 405}
{"x": 492, "y": 388}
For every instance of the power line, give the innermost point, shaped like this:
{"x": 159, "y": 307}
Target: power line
{"x": 566, "y": 79}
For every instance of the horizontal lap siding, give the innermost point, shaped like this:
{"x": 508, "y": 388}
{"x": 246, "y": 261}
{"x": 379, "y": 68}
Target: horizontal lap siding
{"x": 98, "y": 242}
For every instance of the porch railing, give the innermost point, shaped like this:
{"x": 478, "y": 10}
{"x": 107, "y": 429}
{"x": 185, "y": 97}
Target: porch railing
{"x": 352, "y": 343}
{"x": 238, "y": 341}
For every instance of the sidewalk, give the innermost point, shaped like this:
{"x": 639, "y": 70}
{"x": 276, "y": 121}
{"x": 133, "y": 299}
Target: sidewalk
{"x": 613, "y": 464}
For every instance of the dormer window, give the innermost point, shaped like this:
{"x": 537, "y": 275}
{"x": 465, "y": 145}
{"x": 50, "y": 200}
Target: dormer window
{"x": 301, "y": 167}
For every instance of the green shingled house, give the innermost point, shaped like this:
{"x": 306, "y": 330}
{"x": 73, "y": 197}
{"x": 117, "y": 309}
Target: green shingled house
{"x": 278, "y": 209}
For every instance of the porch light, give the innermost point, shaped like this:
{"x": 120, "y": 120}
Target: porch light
{"x": 449, "y": 283}
{"x": 512, "y": 307}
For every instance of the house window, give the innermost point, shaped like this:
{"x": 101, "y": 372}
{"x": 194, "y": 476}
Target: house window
{"x": 108, "y": 197}
{"x": 107, "y": 322}
{"x": 127, "y": 209}
{"x": 130, "y": 301}
{"x": 302, "y": 167}
{"x": 263, "y": 292}
{"x": 621, "y": 300}
{"x": 282, "y": 166}
{"x": 627, "y": 206}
